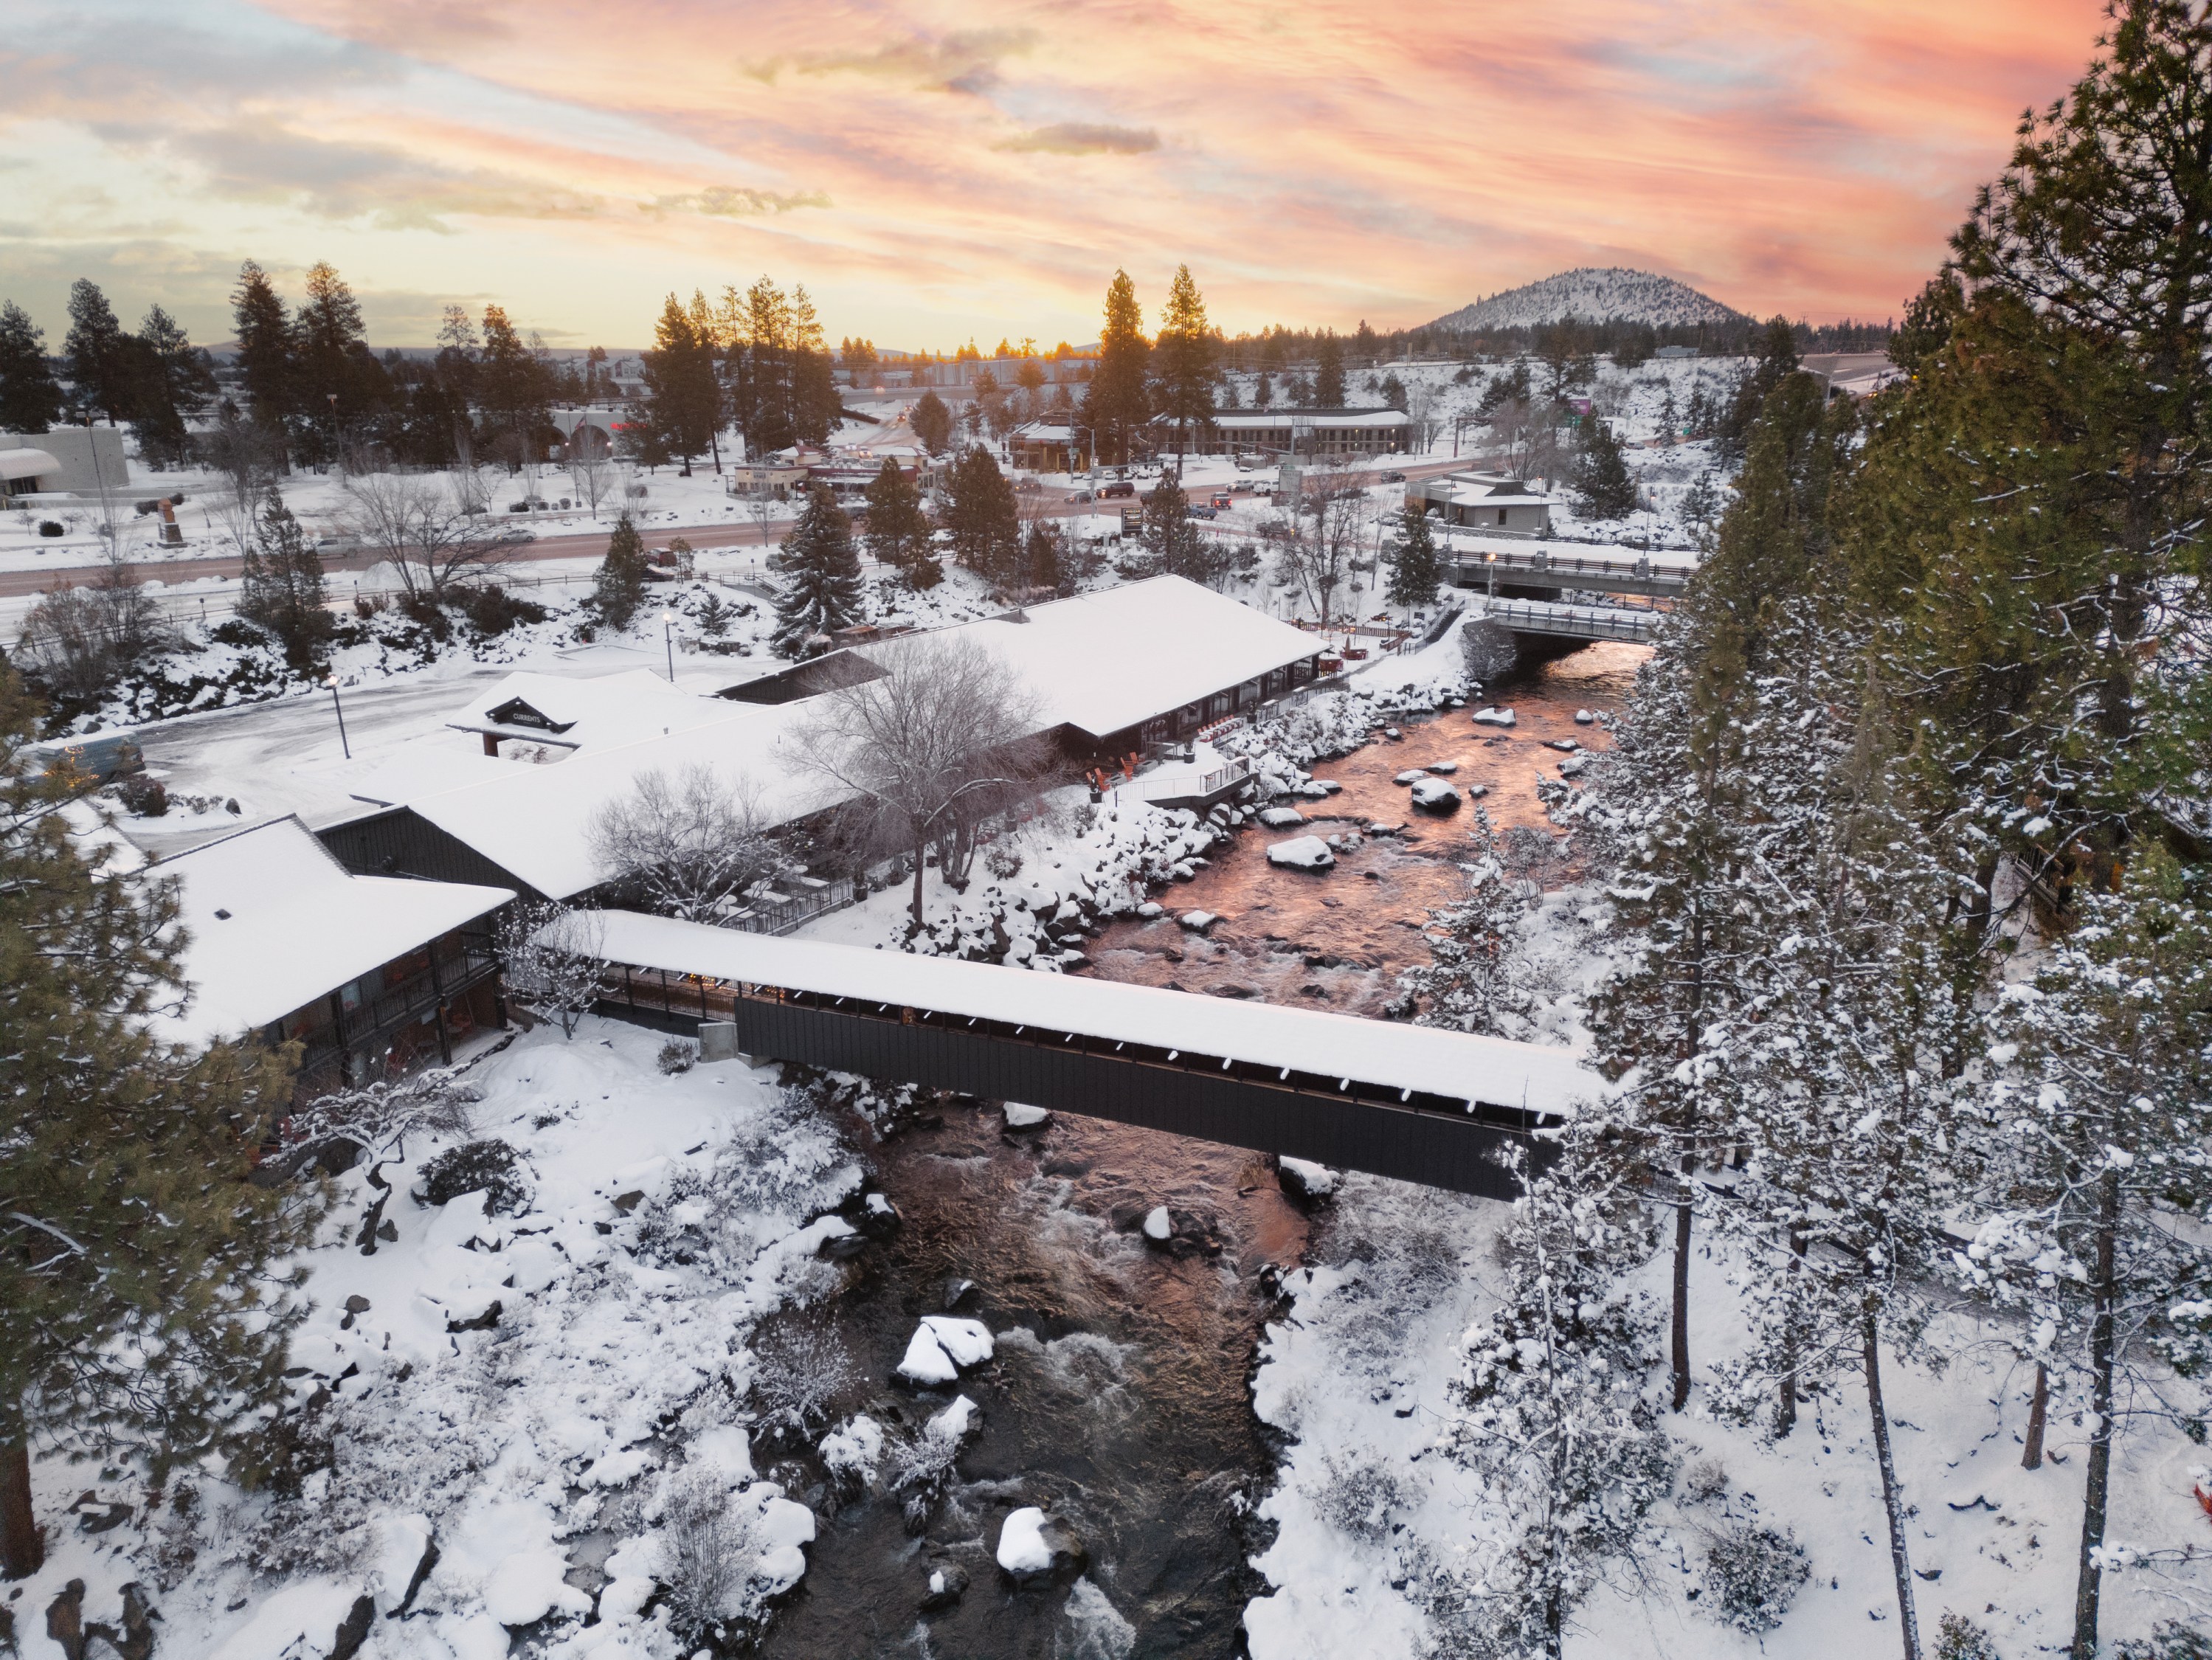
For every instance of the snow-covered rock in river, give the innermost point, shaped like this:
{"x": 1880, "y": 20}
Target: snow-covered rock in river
{"x": 1158, "y": 1225}
{"x": 1328, "y": 785}
{"x": 1584, "y": 717}
{"x": 1305, "y": 1179}
{"x": 941, "y": 1347}
{"x": 1572, "y": 766}
{"x": 1492, "y": 716}
{"x": 1304, "y": 853}
{"x": 1444, "y": 767}
{"x": 1021, "y": 1116}
{"x": 1198, "y": 922}
{"x": 1411, "y": 776}
{"x": 1434, "y": 795}
{"x": 1151, "y": 909}
{"x": 944, "y": 1587}
{"x": 1281, "y": 817}
{"x": 1566, "y": 745}
{"x": 1032, "y": 1544}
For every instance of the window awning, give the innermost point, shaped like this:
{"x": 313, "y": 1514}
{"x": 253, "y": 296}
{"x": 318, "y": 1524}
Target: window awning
{"x": 28, "y": 464}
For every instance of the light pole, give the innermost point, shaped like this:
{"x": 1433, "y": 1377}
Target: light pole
{"x": 668, "y": 639}
{"x": 332, "y": 683}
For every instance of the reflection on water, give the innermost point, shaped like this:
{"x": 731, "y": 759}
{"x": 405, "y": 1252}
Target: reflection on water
{"x": 1118, "y": 1398}
{"x": 1337, "y": 939}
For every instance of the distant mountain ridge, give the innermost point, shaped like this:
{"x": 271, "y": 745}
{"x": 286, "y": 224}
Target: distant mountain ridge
{"x": 1609, "y": 293}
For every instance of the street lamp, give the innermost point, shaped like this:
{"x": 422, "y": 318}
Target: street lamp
{"x": 668, "y": 639}
{"x": 331, "y": 681}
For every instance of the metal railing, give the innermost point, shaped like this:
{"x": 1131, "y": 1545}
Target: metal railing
{"x": 780, "y": 916}
{"x": 1573, "y": 622}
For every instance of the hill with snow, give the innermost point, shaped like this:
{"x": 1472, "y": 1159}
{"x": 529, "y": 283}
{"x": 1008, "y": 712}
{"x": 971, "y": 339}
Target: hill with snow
{"x": 1610, "y": 294}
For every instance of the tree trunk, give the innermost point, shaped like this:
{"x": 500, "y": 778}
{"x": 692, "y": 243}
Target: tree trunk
{"x": 22, "y": 1546}
{"x": 1893, "y": 1503}
{"x": 1682, "y": 1317}
{"x": 919, "y": 847}
{"x": 1785, "y": 1406}
{"x": 2097, "y": 1483}
{"x": 2039, "y": 1407}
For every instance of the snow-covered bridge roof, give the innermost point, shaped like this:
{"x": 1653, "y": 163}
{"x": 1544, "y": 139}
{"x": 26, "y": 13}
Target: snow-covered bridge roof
{"x": 1489, "y": 1071}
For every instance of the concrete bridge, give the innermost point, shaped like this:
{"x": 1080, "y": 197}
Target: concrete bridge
{"x": 1412, "y": 1102}
{"x": 1541, "y": 568}
{"x": 1537, "y": 617}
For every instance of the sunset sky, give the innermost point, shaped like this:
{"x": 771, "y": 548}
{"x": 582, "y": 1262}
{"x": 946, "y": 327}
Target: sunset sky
{"x": 934, "y": 171}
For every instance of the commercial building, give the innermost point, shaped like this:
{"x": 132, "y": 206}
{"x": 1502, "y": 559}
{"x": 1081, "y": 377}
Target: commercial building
{"x": 1308, "y": 435}
{"x": 81, "y": 461}
{"x": 1496, "y": 503}
{"x": 369, "y": 974}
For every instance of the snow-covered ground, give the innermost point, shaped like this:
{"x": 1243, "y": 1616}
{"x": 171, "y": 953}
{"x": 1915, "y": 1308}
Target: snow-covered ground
{"x": 539, "y": 1389}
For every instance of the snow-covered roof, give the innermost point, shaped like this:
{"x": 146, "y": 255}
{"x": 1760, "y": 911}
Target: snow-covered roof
{"x": 1272, "y": 420}
{"x": 275, "y": 922}
{"x": 27, "y": 464}
{"x": 582, "y": 715}
{"x": 1104, "y": 662}
{"x": 1459, "y": 1066}
{"x": 533, "y": 820}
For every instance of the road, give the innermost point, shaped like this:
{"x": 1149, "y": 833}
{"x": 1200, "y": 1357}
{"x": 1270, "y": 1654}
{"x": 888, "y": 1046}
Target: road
{"x": 583, "y": 546}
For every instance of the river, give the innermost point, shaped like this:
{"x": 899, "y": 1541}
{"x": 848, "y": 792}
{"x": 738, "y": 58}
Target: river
{"x": 1118, "y": 1397}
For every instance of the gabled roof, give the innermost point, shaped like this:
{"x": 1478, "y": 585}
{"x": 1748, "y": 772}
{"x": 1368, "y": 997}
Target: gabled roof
{"x": 274, "y": 921}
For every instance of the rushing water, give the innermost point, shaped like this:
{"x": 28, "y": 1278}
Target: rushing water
{"x": 1118, "y": 1398}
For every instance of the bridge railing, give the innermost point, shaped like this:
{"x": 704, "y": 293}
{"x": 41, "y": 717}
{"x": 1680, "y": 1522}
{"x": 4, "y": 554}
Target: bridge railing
{"x": 1574, "y": 622}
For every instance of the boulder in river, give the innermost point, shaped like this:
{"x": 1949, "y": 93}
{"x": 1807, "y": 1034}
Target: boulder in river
{"x": 1490, "y": 716}
{"x": 1411, "y": 776}
{"x": 1303, "y": 1179}
{"x": 1281, "y": 817}
{"x": 1304, "y": 852}
{"x": 1434, "y": 795}
{"x": 944, "y": 1587}
{"x": 1198, "y": 922}
{"x": 1584, "y": 717}
{"x": 1160, "y": 1227}
{"x": 1035, "y": 1546}
{"x": 1022, "y": 1116}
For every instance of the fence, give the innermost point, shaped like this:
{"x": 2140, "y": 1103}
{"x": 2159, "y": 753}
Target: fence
{"x": 780, "y": 914}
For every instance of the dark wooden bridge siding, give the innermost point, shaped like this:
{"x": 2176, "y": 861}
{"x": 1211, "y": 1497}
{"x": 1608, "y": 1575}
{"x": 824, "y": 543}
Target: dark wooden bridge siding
{"x": 1439, "y": 1148}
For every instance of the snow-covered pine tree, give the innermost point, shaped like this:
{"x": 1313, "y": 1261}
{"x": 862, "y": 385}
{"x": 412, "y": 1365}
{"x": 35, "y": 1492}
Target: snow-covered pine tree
{"x": 281, "y": 584}
{"x": 1417, "y": 570}
{"x": 821, "y": 571}
{"x": 1601, "y": 479}
{"x": 899, "y": 530}
{"x": 2103, "y": 1100}
{"x": 618, "y": 588}
{"x": 1555, "y": 1416}
{"x": 146, "y": 1317}
{"x": 1465, "y": 985}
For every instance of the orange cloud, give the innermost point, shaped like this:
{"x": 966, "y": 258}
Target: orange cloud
{"x": 932, "y": 170}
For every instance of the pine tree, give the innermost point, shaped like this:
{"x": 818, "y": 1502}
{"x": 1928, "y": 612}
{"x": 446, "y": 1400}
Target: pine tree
{"x": 30, "y": 397}
{"x": 137, "y": 1258}
{"x": 1417, "y": 569}
{"x": 1553, "y": 1414}
{"x": 821, "y": 571}
{"x": 282, "y": 584}
{"x": 899, "y": 532}
{"x": 1185, "y": 357}
{"x": 986, "y": 531}
{"x": 173, "y": 379}
{"x": 1174, "y": 545}
{"x": 1328, "y": 374}
{"x": 1043, "y": 554}
{"x": 338, "y": 383}
{"x": 1465, "y": 985}
{"x": 1774, "y": 360}
{"x": 1118, "y": 401}
{"x": 931, "y": 422}
{"x": 618, "y": 589}
{"x": 264, "y": 361}
{"x": 97, "y": 353}
{"x": 1602, "y": 478}
{"x": 512, "y": 386}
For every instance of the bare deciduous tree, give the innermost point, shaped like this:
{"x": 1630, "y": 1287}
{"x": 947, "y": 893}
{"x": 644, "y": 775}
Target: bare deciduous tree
{"x": 691, "y": 846}
{"x": 594, "y": 478}
{"x": 428, "y": 527}
{"x": 1318, "y": 549}
{"x": 553, "y": 960}
{"x": 79, "y": 640}
{"x": 947, "y": 736}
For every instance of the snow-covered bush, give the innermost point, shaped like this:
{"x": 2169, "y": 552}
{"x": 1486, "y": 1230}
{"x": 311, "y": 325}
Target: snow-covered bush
{"x": 1958, "y": 1638}
{"x": 1705, "y": 1480}
{"x": 491, "y": 1167}
{"x": 711, "y": 1551}
{"x": 800, "y": 1368}
{"x": 677, "y": 1056}
{"x": 923, "y": 1468}
{"x": 2169, "y": 1640}
{"x": 1751, "y": 1573}
{"x": 1360, "y": 1497}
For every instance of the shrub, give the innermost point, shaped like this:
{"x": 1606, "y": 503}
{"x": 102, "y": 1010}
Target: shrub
{"x": 1958, "y": 1638}
{"x": 801, "y": 1369}
{"x": 236, "y": 632}
{"x": 711, "y": 1548}
{"x": 423, "y": 608}
{"x": 49, "y": 528}
{"x": 143, "y": 797}
{"x": 2169, "y": 1640}
{"x": 1705, "y": 1480}
{"x": 677, "y": 1056}
{"x": 492, "y": 1167}
{"x": 1751, "y": 1573}
{"x": 1360, "y": 1497}
{"x": 1002, "y": 861}
{"x": 493, "y": 609}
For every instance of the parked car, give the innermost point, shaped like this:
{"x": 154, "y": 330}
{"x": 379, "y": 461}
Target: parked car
{"x": 1200, "y": 510}
{"x": 1121, "y": 487}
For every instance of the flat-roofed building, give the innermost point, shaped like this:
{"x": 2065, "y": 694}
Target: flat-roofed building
{"x": 1310, "y": 435}
{"x": 1494, "y": 502}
